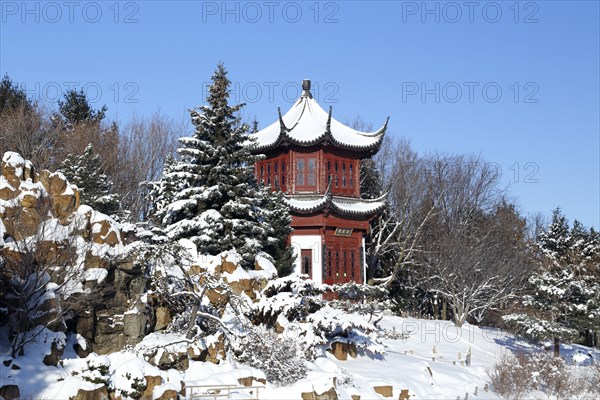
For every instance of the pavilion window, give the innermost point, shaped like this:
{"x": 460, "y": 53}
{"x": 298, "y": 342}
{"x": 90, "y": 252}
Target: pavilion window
{"x": 262, "y": 173}
{"x": 306, "y": 173}
{"x": 351, "y": 177}
{"x": 352, "y": 262}
{"x": 312, "y": 172}
{"x": 343, "y": 174}
{"x": 269, "y": 174}
{"x": 336, "y": 174}
{"x": 345, "y": 264}
{"x": 300, "y": 172}
{"x": 337, "y": 263}
{"x": 330, "y": 265}
{"x": 283, "y": 173}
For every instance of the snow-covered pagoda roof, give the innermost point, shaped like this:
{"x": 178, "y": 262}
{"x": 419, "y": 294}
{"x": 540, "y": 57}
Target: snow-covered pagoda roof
{"x": 345, "y": 206}
{"x": 307, "y": 124}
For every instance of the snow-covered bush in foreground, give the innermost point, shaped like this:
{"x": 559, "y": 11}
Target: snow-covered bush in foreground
{"x": 276, "y": 355}
{"x": 363, "y": 299}
{"x": 295, "y": 307}
{"x": 523, "y": 376}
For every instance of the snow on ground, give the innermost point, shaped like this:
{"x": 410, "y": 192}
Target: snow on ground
{"x": 430, "y": 361}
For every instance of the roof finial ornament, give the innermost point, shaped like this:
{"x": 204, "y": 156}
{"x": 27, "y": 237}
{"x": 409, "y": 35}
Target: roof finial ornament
{"x": 306, "y": 88}
{"x": 328, "y": 127}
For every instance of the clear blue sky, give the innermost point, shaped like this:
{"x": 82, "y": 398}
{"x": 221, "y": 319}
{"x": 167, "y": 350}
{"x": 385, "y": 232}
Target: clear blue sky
{"x": 434, "y": 67}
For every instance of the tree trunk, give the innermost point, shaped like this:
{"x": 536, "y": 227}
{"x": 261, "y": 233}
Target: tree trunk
{"x": 556, "y": 347}
{"x": 444, "y": 309}
{"x": 192, "y": 322}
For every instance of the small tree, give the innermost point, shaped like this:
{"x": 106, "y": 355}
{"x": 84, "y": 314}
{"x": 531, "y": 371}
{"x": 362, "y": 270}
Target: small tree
{"x": 85, "y": 171}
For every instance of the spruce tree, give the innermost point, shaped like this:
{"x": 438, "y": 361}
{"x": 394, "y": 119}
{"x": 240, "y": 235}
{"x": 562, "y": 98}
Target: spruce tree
{"x": 561, "y": 298}
{"x": 85, "y": 171}
{"x": 75, "y": 108}
{"x": 216, "y": 201}
{"x": 278, "y": 221}
{"x": 162, "y": 192}
{"x": 370, "y": 179}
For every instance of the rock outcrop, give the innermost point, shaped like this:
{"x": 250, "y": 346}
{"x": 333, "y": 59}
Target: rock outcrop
{"x": 71, "y": 241}
{"x": 99, "y": 393}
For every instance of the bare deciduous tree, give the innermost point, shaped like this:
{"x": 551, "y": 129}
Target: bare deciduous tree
{"x": 28, "y": 131}
{"x": 143, "y": 148}
{"x": 473, "y": 251}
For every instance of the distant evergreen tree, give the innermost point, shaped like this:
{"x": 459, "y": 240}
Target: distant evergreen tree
{"x": 162, "y": 192}
{"x": 85, "y": 172}
{"x": 216, "y": 202}
{"x": 556, "y": 240}
{"x": 561, "y": 297}
{"x": 12, "y": 96}
{"x": 75, "y": 108}
{"x": 370, "y": 179}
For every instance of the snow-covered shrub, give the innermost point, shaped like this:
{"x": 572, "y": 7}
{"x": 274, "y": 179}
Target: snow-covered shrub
{"x": 367, "y": 300}
{"x": 510, "y": 376}
{"x": 138, "y": 386}
{"x": 97, "y": 370}
{"x": 295, "y": 305}
{"x": 290, "y": 297}
{"x": 516, "y": 377}
{"x": 276, "y": 355}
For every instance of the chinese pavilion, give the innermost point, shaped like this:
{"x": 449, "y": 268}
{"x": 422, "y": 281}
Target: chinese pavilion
{"x": 315, "y": 161}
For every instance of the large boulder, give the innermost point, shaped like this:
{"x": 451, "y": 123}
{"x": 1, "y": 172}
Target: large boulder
{"x": 330, "y": 394}
{"x": 13, "y": 168}
{"x": 109, "y": 337}
{"x": 10, "y": 392}
{"x": 98, "y": 393}
{"x": 216, "y": 348}
{"x": 151, "y": 383}
{"x": 384, "y": 390}
{"x": 341, "y": 350}
{"x": 163, "y": 318}
{"x": 53, "y": 357}
{"x": 134, "y": 326}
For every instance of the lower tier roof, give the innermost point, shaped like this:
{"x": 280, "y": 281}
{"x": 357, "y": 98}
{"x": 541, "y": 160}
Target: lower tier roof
{"x": 340, "y": 205}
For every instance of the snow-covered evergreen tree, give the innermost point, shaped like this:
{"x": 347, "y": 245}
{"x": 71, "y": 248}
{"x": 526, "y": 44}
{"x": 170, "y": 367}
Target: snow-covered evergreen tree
{"x": 370, "y": 179}
{"x": 561, "y": 299}
{"x": 556, "y": 241}
{"x": 216, "y": 199}
{"x": 162, "y": 192}
{"x": 277, "y": 221}
{"x": 85, "y": 171}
